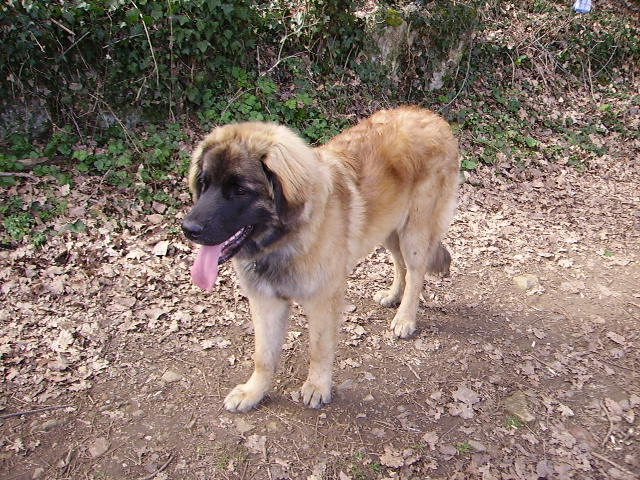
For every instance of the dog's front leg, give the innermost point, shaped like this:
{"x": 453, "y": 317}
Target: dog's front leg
{"x": 324, "y": 316}
{"x": 269, "y": 316}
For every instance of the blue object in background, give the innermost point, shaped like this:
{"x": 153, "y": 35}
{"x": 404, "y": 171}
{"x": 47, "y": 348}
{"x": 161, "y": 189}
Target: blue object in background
{"x": 582, "y": 6}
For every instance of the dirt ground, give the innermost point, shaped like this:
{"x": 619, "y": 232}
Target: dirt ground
{"x": 526, "y": 363}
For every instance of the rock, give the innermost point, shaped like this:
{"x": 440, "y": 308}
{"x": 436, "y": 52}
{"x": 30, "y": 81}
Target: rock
{"x": 99, "y": 447}
{"x": 161, "y": 248}
{"x": 448, "y": 450}
{"x": 526, "y": 282}
{"x": 350, "y": 308}
{"x": 58, "y": 365}
{"x": 155, "y": 218}
{"x": 518, "y": 406}
{"x": 346, "y": 385}
{"x": 243, "y": 426}
{"x": 477, "y": 446}
{"x": 466, "y": 395}
{"x": 574, "y": 287}
{"x": 171, "y": 377}
{"x": 158, "y": 207}
{"x": 49, "y": 425}
{"x": 273, "y": 427}
{"x": 617, "y": 338}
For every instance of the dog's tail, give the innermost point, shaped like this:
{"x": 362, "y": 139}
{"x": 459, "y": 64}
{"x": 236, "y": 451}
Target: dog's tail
{"x": 440, "y": 261}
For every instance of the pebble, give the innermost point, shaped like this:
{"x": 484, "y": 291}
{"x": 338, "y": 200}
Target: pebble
{"x": 518, "y": 406}
{"x": 171, "y": 377}
{"x": 526, "y": 282}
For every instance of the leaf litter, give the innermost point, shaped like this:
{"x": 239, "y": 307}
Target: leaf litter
{"x": 503, "y": 379}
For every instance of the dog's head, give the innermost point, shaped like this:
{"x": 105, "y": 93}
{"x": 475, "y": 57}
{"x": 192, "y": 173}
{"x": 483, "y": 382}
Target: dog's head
{"x": 247, "y": 182}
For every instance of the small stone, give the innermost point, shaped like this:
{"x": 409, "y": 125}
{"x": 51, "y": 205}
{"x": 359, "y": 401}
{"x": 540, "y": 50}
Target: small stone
{"x": 448, "y": 450}
{"x": 574, "y": 287}
{"x": 171, "y": 377}
{"x": 350, "y": 308}
{"x": 466, "y": 395}
{"x": 161, "y": 248}
{"x": 155, "y": 218}
{"x": 58, "y": 365}
{"x": 272, "y": 427}
{"x": 243, "y": 426}
{"x": 99, "y": 447}
{"x": 368, "y": 398}
{"x": 346, "y": 385}
{"x": 526, "y": 282}
{"x": 38, "y": 473}
{"x": 158, "y": 207}
{"x": 518, "y": 406}
{"x": 477, "y": 446}
{"x": 50, "y": 425}
{"x": 617, "y": 338}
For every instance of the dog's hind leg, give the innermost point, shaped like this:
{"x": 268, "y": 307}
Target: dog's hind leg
{"x": 416, "y": 251}
{"x": 419, "y": 241}
{"x": 270, "y": 316}
{"x": 324, "y": 315}
{"x": 440, "y": 261}
{"x": 392, "y": 297}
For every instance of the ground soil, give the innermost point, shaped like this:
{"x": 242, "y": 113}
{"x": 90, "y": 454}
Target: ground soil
{"x": 542, "y": 306}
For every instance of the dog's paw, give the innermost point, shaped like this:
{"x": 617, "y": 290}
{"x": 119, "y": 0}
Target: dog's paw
{"x": 314, "y": 396}
{"x": 242, "y": 399}
{"x": 403, "y": 328}
{"x": 384, "y": 298}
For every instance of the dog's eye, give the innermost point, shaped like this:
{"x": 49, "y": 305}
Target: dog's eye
{"x": 239, "y": 190}
{"x": 202, "y": 183}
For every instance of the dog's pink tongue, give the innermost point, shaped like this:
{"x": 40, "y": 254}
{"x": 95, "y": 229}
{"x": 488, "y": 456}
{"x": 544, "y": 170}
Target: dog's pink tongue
{"x": 205, "y": 269}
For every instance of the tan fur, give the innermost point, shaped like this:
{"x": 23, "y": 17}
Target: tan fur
{"x": 392, "y": 180}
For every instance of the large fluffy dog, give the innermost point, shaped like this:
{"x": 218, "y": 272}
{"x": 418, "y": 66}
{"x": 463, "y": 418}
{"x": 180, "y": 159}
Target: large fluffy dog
{"x": 296, "y": 220}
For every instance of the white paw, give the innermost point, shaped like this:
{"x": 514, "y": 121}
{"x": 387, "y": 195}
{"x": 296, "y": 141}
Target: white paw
{"x": 402, "y": 327}
{"x": 242, "y": 398}
{"x": 314, "y": 395}
{"x": 384, "y": 298}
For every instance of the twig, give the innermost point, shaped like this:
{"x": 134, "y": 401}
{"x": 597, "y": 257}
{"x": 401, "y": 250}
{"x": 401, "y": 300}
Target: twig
{"x": 75, "y": 43}
{"x": 413, "y": 371}
{"x": 171, "y": 64}
{"x": 122, "y": 125}
{"x": 616, "y": 365}
{"x": 31, "y": 412}
{"x": 466, "y": 76}
{"x": 549, "y": 367}
{"x": 280, "y": 60}
{"x": 70, "y": 32}
{"x": 18, "y": 174}
{"x": 614, "y": 464}
{"x": 153, "y": 54}
{"x": 610, "y": 431}
{"x": 161, "y": 469}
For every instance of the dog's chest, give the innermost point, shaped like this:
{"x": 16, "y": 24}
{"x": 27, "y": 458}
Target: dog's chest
{"x": 271, "y": 275}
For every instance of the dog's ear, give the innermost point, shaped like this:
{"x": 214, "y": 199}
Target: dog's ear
{"x": 295, "y": 173}
{"x": 195, "y": 170}
{"x": 285, "y": 211}
{"x": 293, "y": 163}
{"x": 276, "y": 187}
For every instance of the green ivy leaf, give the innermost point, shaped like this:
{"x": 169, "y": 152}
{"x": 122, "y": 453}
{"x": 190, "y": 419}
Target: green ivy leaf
{"x": 202, "y": 45}
{"x": 468, "y": 164}
{"x": 77, "y": 227}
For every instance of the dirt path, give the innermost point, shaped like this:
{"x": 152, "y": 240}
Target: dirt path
{"x": 109, "y": 324}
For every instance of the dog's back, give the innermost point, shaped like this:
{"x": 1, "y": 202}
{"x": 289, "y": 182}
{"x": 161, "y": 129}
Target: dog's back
{"x": 400, "y": 159}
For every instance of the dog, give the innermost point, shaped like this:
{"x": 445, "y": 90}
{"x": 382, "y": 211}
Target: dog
{"x": 295, "y": 220}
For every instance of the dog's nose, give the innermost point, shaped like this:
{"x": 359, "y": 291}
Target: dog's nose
{"x": 191, "y": 228}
